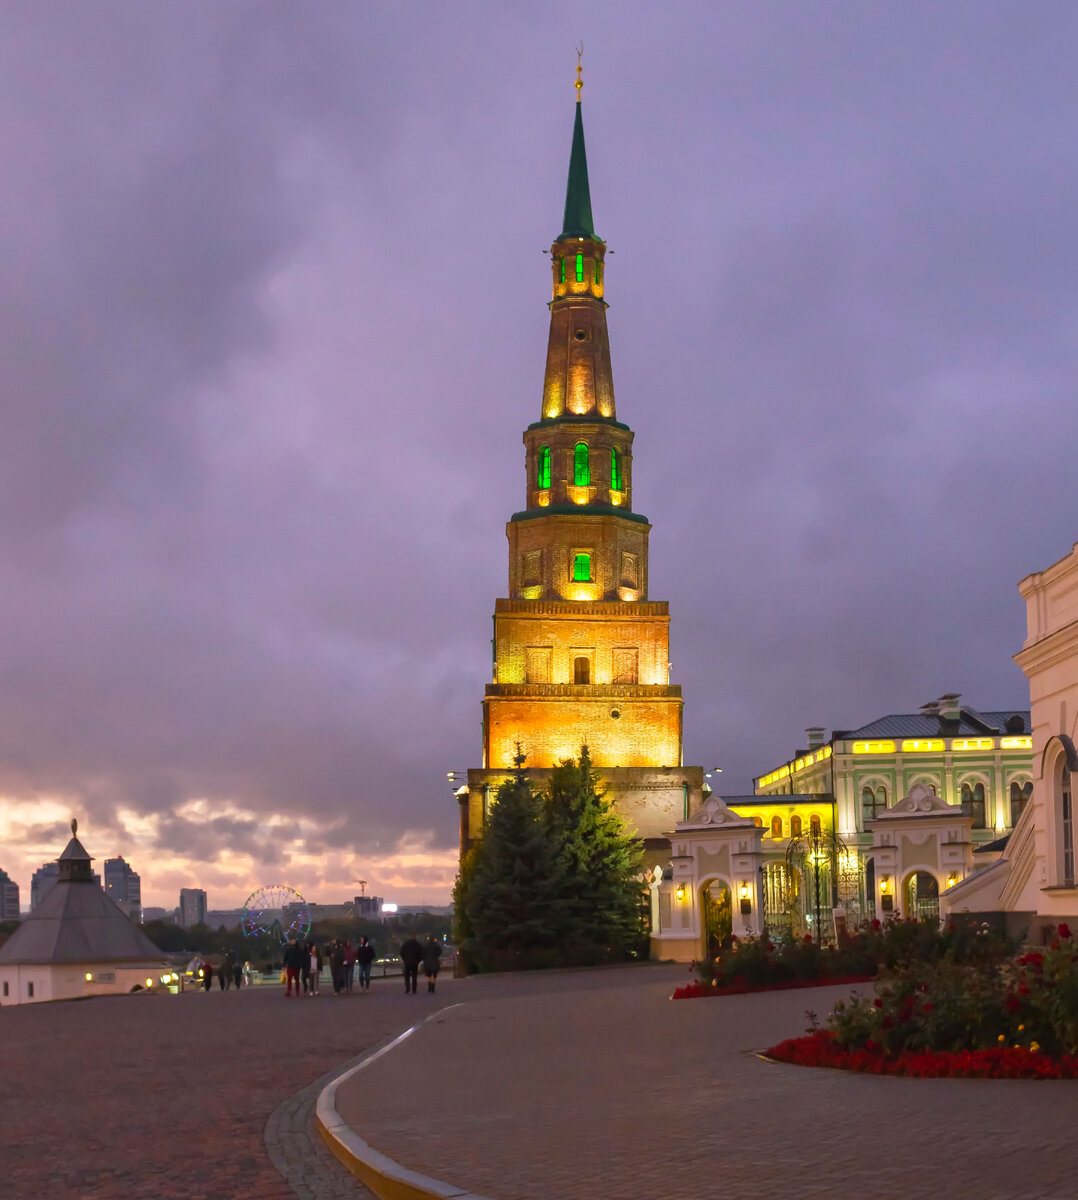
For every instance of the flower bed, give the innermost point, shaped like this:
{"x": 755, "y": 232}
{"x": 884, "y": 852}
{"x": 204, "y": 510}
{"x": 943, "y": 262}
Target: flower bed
{"x": 696, "y": 990}
{"x": 821, "y": 1049}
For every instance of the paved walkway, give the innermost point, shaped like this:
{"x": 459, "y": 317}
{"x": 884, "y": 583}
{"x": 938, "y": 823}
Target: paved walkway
{"x": 559, "y": 1086}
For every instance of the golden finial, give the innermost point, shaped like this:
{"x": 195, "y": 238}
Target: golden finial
{"x": 579, "y": 82}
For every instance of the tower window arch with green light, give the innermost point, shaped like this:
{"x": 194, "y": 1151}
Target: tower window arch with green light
{"x": 582, "y": 568}
{"x": 580, "y": 268}
{"x": 544, "y": 467}
{"x": 615, "y": 469}
{"x": 581, "y": 465}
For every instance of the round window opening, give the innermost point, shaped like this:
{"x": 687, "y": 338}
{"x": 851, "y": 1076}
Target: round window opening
{"x": 580, "y": 335}
{"x": 615, "y": 713}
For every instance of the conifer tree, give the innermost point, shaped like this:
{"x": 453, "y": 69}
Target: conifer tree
{"x": 600, "y": 863}
{"x": 515, "y": 897}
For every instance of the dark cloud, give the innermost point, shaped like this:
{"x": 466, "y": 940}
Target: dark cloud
{"x": 272, "y": 321}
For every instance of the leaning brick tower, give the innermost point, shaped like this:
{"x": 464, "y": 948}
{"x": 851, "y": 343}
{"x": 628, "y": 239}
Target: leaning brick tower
{"x": 581, "y": 655}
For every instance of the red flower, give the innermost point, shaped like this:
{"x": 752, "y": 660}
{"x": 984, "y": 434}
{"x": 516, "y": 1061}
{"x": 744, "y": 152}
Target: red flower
{"x": 877, "y": 1003}
{"x": 1064, "y": 930}
{"x": 927, "y": 1007}
{"x": 1012, "y": 1003}
{"x": 876, "y": 924}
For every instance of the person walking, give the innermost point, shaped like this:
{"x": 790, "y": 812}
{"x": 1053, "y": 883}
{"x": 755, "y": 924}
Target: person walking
{"x": 411, "y": 955}
{"x": 336, "y": 965}
{"x": 293, "y": 960}
{"x": 224, "y": 974}
{"x": 364, "y": 960}
{"x": 237, "y": 974}
{"x": 305, "y": 969}
{"x": 349, "y": 964}
{"x": 432, "y": 952}
{"x": 314, "y": 966}
{"x": 207, "y": 975}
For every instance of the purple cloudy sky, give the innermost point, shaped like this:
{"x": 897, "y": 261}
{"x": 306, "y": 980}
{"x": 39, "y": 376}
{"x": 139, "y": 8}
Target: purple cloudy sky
{"x": 273, "y": 320}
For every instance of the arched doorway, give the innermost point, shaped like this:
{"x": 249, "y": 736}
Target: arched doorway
{"x": 718, "y": 916}
{"x": 922, "y": 896}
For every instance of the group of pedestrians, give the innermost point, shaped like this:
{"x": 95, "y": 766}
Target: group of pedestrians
{"x": 304, "y": 962}
{"x": 230, "y": 973}
{"x": 414, "y": 954}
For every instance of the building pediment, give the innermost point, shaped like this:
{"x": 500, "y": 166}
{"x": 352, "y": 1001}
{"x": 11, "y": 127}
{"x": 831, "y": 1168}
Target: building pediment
{"x": 922, "y": 801}
{"x": 714, "y": 814}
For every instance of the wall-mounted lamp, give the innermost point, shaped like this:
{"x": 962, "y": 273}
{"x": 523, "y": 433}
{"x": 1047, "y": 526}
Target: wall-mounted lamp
{"x": 746, "y": 902}
{"x": 680, "y": 893}
{"x": 887, "y": 899}
{"x": 952, "y": 879}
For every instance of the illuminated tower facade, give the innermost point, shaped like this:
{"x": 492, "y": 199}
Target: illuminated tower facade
{"x": 581, "y": 655}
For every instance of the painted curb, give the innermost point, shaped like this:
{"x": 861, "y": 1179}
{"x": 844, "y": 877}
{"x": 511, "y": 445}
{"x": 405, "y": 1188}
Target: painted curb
{"x": 386, "y": 1178}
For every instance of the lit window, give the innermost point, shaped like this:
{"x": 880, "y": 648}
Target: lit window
{"x": 1020, "y": 794}
{"x": 580, "y": 268}
{"x": 795, "y": 826}
{"x": 776, "y": 827}
{"x": 581, "y": 465}
{"x": 544, "y": 466}
{"x": 873, "y": 802}
{"x": 814, "y": 824}
{"x": 615, "y": 470}
{"x": 563, "y": 270}
{"x": 972, "y": 799}
{"x": 582, "y": 568}
{"x": 598, "y": 273}
{"x": 581, "y": 669}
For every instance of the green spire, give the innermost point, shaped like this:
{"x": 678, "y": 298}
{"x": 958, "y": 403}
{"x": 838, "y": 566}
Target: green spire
{"x": 578, "y": 222}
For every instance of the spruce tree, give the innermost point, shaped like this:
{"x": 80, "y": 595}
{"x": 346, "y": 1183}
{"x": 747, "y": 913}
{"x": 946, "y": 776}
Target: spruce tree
{"x": 515, "y": 896}
{"x": 600, "y": 862}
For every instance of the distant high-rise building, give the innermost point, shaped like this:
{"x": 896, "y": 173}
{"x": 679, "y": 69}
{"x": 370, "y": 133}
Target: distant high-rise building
{"x": 42, "y": 882}
{"x": 192, "y": 907}
{"x": 158, "y": 914}
{"x": 369, "y": 908}
{"x": 123, "y": 885}
{"x": 9, "y": 898}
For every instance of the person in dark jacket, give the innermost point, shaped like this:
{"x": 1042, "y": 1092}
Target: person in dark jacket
{"x": 411, "y": 955}
{"x": 364, "y": 961}
{"x": 432, "y": 952}
{"x": 207, "y": 975}
{"x": 293, "y": 961}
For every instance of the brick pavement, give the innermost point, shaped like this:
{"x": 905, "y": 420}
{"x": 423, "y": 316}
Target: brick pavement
{"x": 169, "y": 1096}
{"x": 558, "y": 1086}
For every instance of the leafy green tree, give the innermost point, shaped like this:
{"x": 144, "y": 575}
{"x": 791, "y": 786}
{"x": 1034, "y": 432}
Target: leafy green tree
{"x": 514, "y": 903}
{"x": 600, "y": 863}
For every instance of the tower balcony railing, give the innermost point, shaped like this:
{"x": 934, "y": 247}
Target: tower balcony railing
{"x": 599, "y": 691}
{"x": 586, "y": 608}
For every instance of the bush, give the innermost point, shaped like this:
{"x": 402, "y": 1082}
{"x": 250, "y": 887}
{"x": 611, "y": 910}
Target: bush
{"x": 761, "y": 962}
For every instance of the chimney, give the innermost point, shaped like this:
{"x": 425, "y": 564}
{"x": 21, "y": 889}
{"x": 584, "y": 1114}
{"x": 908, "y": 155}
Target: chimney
{"x": 931, "y": 709}
{"x": 950, "y": 709}
{"x": 816, "y": 736}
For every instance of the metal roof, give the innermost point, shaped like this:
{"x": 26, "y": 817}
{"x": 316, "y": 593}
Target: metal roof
{"x": 970, "y": 723}
{"x": 78, "y": 923}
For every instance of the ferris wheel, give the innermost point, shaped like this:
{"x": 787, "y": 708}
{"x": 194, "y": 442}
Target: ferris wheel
{"x": 276, "y": 910}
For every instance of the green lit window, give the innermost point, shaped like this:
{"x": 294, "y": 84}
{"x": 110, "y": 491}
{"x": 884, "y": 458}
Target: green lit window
{"x": 581, "y": 467}
{"x": 580, "y": 268}
{"x": 598, "y": 276}
{"x": 615, "y": 470}
{"x": 544, "y": 466}
{"x": 582, "y": 568}
{"x": 563, "y": 270}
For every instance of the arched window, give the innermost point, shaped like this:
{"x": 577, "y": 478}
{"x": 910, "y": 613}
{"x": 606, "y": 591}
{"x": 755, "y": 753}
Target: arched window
{"x": 776, "y": 827}
{"x": 615, "y": 469}
{"x": 972, "y": 798}
{"x": 873, "y": 802}
{"x": 814, "y": 824}
{"x": 795, "y": 826}
{"x": 581, "y": 669}
{"x": 1066, "y": 812}
{"x": 582, "y": 568}
{"x": 581, "y": 466}
{"x": 758, "y": 821}
{"x": 544, "y": 467}
{"x": 580, "y": 268}
{"x": 1020, "y": 794}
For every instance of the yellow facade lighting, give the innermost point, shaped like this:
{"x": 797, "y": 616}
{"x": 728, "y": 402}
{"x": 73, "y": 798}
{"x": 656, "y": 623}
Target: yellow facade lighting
{"x": 922, "y": 746}
{"x": 1016, "y": 743}
{"x": 972, "y": 744}
{"x": 873, "y": 747}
